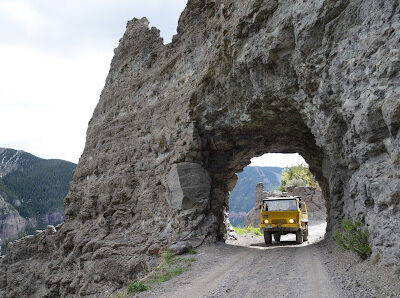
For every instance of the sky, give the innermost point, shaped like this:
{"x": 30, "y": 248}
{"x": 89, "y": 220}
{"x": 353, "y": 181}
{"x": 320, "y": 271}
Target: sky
{"x": 279, "y": 160}
{"x": 54, "y": 58}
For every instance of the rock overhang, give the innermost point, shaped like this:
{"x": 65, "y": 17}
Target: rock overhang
{"x": 240, "y": 79}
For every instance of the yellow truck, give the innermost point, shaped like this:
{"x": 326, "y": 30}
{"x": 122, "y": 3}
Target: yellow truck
{"x": 284, "y": 215}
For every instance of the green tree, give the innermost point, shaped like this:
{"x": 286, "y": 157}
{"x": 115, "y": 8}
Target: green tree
{"x": 297, "y": 176}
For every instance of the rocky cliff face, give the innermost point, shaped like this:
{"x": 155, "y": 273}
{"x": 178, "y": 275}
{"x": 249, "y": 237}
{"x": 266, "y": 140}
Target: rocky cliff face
{"x": 11, "y": 223}
{"x": 176, "y": 122}
{"x": 9, "y": 161}
{"x": 316, "y": 203}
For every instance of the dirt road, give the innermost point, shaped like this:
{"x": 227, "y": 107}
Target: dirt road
{"x": 246, "y": 267}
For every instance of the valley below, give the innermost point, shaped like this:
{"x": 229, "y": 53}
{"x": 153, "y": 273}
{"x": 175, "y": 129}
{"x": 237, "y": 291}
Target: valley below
{"x": 32, "y": 190}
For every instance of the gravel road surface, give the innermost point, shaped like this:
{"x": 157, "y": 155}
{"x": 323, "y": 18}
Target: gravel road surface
{"x": 246, "y": 267}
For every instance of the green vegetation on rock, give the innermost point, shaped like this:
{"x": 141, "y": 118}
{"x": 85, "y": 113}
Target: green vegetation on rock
{"x": 297, "y": 176}
{"x": 191, "y": 251}
{"x": 354, "y": 238}
{"x": 170, "y": 267}
{"x": 249, "y": 230}
{"x": 136, "y": 287}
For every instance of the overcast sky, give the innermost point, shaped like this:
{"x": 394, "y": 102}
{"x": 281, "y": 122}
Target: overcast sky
{"x": 54, "y": 58}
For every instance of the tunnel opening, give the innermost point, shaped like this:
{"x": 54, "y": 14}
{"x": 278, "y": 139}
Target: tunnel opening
{"x": 244, "y": 113}
{"x": 229, "y": 152}
{"x": 274, "y": 175}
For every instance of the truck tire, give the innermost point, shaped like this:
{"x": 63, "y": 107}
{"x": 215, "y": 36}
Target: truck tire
{"x": 267, "y": 237}
{"x": 277, "y": 237}
{"x": 305, "y": 234}
{"x": 299, "y": 236}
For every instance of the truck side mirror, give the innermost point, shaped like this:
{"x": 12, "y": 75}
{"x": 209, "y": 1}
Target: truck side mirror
{"x": 259, "y": 206}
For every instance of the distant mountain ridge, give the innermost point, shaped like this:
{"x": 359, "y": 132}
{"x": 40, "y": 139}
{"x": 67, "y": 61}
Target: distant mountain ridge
{"x": 32, "y": 190}
{"x": 241, "y": 199}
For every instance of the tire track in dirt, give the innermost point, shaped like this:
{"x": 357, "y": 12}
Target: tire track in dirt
{"x": 249, "y": 268}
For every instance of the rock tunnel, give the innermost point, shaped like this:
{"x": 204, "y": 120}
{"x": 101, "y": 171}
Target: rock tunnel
{"x": 175, "y": 122}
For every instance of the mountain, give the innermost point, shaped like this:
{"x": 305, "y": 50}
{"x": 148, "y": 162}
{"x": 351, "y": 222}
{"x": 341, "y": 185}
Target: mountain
{"x": 32, "y": 190}
{"x": 241, "y": 199}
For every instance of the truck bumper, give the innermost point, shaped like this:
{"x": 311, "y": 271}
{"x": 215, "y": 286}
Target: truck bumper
{"x": 280, "y": 228}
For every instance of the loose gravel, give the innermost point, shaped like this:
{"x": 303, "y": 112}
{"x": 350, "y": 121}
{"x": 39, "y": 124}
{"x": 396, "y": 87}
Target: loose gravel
{"x": 246, "y": 267}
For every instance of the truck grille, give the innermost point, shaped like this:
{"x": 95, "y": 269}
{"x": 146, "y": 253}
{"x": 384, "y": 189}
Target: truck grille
{"x": 279, "y": 221}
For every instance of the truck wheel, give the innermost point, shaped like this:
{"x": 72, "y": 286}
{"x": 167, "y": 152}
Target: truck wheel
{"x": 267, "y": 237}
{"x": 305, "y": 234}
{"x": 277, "y": 237}
{"x": 299, "y": 236}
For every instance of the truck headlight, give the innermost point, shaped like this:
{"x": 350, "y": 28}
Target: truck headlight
{"x": 265, "y": 220}
{"x": 291, "y": 220}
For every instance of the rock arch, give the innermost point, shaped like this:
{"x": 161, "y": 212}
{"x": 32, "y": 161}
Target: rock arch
{"x": 176, "y": 121}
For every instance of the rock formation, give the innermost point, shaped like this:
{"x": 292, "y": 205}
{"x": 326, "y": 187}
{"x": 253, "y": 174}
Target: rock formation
{"x": 175, "y": 123}
{"x": 311, "y": 195}
{"x": 11, "y": 223}
{"x": 315, "y": 201}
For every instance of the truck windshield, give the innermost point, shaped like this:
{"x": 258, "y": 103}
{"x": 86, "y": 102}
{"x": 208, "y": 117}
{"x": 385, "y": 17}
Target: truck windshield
{"x": 279, "y": 205}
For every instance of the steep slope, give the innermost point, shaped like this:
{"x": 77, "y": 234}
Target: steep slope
{"x": 241, "y": 199}
{"x": 31, "y": 192}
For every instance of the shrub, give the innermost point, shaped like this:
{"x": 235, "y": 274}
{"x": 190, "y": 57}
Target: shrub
{"x": 136, "y": 287}
{"x": 249, "y": 230}
{"x": 167, "y": 256}
{"x": 170, "y": 267}
{"x": 354, "y": 238}
{"x": 238, "y": 230}
{"x": 255, "y": 231}
{"x": 295, "y": 182}
{"x": 191, "y": 251}
{"x": 297, "y": 176}
{"x": 398, "y": 271}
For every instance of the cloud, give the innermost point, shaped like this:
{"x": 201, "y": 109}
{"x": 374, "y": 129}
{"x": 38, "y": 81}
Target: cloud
{"x": 65, "y": 26}
{"x": 21, "y": 14}
{"x": 46, "y": 102}
{"x": 278, "y": 160}
{"x": 54, "y": 58}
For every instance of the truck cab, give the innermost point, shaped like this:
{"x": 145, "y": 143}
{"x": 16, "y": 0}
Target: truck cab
{"x": 284, "y": 215}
